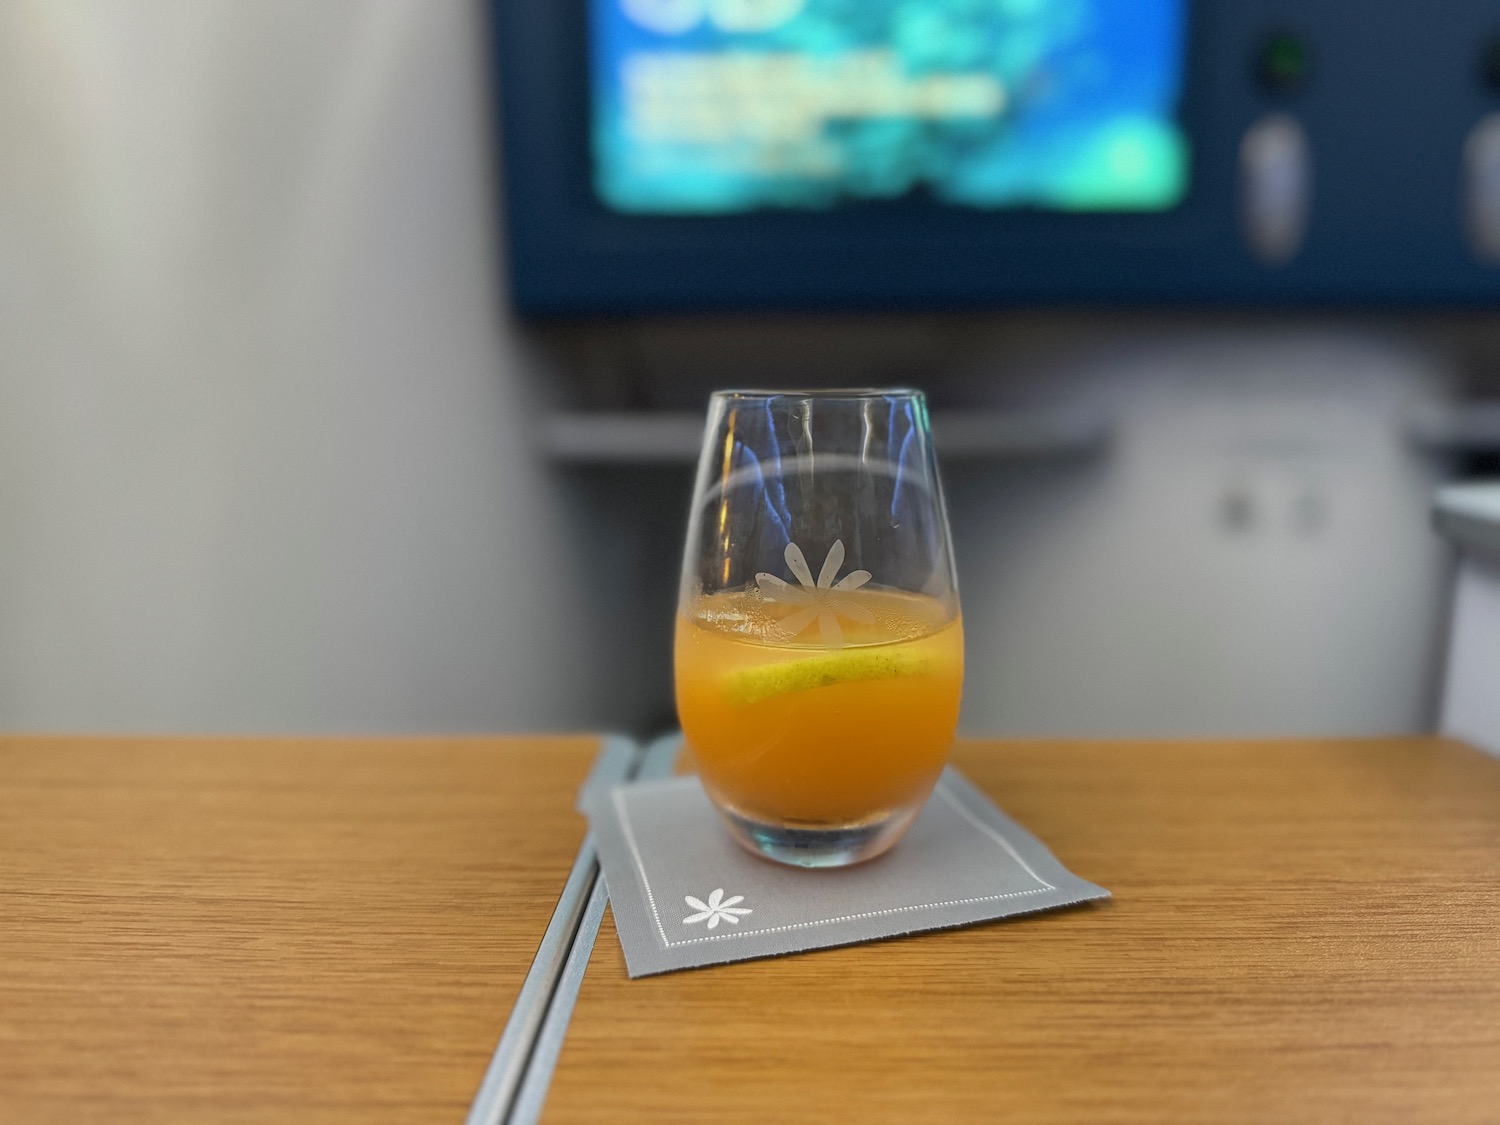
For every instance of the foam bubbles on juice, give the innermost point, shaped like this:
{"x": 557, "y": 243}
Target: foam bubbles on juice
{"x": 749, "y": 615}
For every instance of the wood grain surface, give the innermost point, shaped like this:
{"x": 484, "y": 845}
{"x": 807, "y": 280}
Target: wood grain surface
{"x": 289, "y": 931}
{"x": 1301, "y": 932}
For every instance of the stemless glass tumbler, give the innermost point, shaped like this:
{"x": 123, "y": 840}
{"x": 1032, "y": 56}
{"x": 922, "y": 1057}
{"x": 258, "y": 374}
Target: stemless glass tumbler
{"x": 819, "y": 649}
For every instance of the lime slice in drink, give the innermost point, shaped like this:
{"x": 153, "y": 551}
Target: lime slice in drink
{"x": 766, "y": 681}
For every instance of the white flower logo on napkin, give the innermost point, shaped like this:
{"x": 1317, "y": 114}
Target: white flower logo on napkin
{"x": 716, "y": 909}
{"x": 824, "y": 601}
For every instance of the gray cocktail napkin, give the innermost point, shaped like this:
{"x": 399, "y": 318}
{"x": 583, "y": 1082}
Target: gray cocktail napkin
{"x": 684, "y": 894}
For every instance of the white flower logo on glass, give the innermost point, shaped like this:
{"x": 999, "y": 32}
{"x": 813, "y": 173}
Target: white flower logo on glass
{"x": 824, "y": 601}
{"x": 717, "y": 909}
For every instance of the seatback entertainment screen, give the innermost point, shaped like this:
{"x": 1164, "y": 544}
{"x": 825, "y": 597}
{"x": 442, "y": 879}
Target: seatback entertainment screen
{"x": 713, "y": 107}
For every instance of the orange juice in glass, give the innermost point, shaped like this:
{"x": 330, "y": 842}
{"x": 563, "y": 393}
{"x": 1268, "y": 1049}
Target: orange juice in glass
{"x": 820, "y": 707}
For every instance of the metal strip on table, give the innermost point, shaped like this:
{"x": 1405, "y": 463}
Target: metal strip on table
{"x": 656, "y": 762}
{"x": 617, "y": 761}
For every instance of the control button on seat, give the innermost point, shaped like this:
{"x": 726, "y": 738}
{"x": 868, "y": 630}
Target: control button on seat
{"x": 1275, "y": 188}
{"x": 1482, "y": 188}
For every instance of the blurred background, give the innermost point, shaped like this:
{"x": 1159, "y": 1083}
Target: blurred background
{"x": 277, "y": 454}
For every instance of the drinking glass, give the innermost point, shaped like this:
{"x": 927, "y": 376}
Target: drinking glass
{"x": 819, "y": 647}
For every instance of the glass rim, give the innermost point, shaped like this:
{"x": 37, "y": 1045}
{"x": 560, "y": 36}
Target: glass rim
{"x": 853, "y": 394}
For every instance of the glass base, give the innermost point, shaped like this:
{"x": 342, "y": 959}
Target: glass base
{"x": 809, "y": 846}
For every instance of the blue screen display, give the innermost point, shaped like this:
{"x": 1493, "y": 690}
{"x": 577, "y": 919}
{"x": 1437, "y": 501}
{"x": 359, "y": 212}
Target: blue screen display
{"x": 725, "y": 106}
